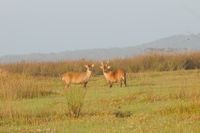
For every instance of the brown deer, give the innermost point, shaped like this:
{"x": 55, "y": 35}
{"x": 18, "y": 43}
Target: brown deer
{"x": 78, "y": 77}
{"x": 117, "y": 76}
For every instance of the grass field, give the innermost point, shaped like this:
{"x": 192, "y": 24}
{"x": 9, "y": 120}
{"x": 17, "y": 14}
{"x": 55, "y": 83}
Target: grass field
{"x": 153, "y": 102}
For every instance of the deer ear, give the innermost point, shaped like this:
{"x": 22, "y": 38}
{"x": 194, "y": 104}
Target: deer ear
{"x": 108, "y": 67}
{"x": 92, "y": 65}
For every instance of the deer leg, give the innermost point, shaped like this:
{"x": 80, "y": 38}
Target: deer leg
{"x": 120, "y": 83}
{"x": 125, "y": 82}
{"x": 66, "y": 86}
{"x": 85, "y": 84}
{"x": 110, "y": 85}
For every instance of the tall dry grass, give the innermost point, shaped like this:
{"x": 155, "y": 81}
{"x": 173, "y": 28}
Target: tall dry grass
{"x": 160, "y": 62}
{"x": 45, "y": 68}
{"x": 15, "y": 86}
{"x": 141, "y": 63}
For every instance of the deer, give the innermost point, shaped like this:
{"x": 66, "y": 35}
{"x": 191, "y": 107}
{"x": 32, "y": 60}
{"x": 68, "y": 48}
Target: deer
{"x": 78, "y": 77}
{"x": 117, "y": 76}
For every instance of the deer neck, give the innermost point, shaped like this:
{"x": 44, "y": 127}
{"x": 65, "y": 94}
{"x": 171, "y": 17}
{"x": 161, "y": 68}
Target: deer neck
{"x": 88, "y": 73}
{"x": 106, "y": 74}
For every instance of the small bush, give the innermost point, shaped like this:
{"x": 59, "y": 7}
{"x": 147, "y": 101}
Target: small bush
{"x": 75, "y": 101}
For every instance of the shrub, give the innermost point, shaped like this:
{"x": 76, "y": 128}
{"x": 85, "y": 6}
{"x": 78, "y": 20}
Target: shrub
{"x": 75, "y": 101}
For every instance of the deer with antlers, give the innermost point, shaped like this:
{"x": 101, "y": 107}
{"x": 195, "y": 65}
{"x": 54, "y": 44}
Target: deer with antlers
{"x": 117, "y": 76}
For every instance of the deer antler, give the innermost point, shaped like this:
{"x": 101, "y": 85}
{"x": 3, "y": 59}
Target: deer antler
{"x": 102, "y": 64}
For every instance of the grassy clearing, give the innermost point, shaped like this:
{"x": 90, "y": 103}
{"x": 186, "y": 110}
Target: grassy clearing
{"x": 152, "y": 102}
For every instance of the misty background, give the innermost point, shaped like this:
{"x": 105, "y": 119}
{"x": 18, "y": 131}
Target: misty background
{"x": 43, "y": 26}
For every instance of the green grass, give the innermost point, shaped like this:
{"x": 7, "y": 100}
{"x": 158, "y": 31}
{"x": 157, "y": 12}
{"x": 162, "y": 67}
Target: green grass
{"x": 153, "y": 102}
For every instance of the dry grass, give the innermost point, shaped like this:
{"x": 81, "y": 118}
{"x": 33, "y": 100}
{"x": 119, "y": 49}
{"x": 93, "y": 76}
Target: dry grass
{"x": 159, "y": 62}
{"x": 141, "y": 63}
{"x": 182, "y": 108}
{"x": 15, "y": 86}
{"x": 53, "y": 69}
{"x": 3, "y": 72}
{"x": 9, "y": 113}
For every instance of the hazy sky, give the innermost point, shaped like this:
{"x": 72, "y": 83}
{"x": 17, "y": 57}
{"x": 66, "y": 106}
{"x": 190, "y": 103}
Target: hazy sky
{"x": 28, "y": 26}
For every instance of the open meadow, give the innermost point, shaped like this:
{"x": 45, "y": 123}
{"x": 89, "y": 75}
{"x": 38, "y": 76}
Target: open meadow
{"x": 153, "y": 102}
{"x": 99, "y": 66}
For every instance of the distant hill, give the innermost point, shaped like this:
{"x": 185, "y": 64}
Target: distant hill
{"x": 169, "y": 44}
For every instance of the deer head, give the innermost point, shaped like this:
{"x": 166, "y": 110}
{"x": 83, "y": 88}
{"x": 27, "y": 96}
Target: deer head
{"x": 105, "y": 67}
